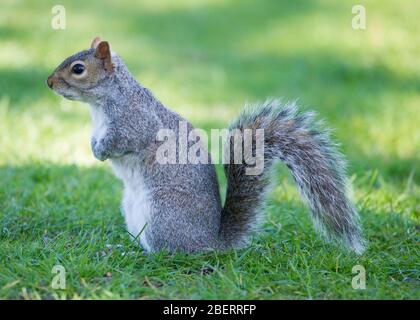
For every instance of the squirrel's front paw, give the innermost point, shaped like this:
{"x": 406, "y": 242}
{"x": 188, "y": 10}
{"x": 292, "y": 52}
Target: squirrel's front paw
{"x": 99, "y": 150}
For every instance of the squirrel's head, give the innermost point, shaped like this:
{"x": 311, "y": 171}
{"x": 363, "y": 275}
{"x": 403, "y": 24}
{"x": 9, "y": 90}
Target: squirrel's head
{"x": 77, "y": 77}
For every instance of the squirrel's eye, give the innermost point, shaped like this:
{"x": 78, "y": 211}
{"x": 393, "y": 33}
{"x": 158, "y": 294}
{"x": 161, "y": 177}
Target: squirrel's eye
{"x": 78, "y": 68}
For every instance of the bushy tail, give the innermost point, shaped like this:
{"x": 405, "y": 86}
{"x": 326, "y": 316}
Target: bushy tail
{"x": 315, "y": 164}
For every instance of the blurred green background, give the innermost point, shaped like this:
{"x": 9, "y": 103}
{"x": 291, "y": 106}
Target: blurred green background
{"x": 205, "y": 59}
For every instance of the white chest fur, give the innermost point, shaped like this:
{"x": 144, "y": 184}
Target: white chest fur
{"x": 135, "y": 203}
{"x": 100, "y": 122}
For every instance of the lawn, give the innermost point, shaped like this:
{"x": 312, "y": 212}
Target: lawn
{"x": 205, "y": 59}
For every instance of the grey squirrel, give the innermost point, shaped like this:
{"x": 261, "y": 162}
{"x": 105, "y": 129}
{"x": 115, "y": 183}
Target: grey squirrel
{"x": 177, "y": 206}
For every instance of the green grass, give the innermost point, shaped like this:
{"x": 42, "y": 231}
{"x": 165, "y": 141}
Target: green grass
{"x": 204, "y": 59}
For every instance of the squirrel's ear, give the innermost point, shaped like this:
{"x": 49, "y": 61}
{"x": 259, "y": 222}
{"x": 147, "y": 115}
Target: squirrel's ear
{"x": 104, "y": 52}
{"x": 95, "y": 43}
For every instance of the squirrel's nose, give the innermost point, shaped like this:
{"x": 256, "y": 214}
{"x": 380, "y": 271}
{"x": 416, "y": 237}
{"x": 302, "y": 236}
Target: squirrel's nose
{"x": 50, "y": 81}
